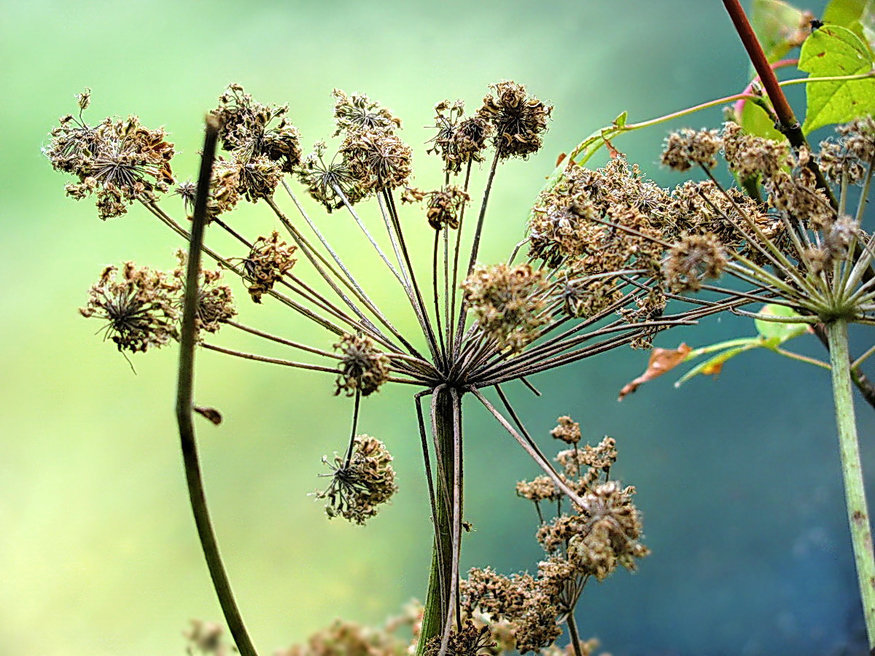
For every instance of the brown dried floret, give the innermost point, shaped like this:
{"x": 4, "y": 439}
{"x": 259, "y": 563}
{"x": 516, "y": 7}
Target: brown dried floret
{"x": 797, "y": 195}
{"x": 215, "y": 302}
{"x": 258, "y": 177}
{"x": 140, "y": 306}
{"x": 693, "y": 259}
{"x": 518, "y": 120}
{"x": 224, "y": 190}
{"x": 858, "y": 137}
{"x": 750, "y": 156}
{"x": 607, "y": 218}
{"x": 362, "y": 483}
{"x": 329, "y": 183}
{"x": 685, "y": 148}
{"x": 266, "y": 263}
{"x": 359, "y": 113}
{"x": 520, "y": 599}
{"x": 362, "y": 367}
{"x": 119, "y": 161}
{"x": 343, "y": 638}
{"x": 251, "y": 129}
{"x": 444, "y": 207}
{"x": 508, "y": 302}
{"x": 600, "y": 457}
{"x": 610, "y": 528}
{"x": 542, "y": 488}
{"x": 377, "y": 159}
{"x": 566, "y": 430}
{"x": 471, "y": 640}
{"x": 207, "y": 638}
{"x": 459, "y": 140}
{"x": 587, "y": 296}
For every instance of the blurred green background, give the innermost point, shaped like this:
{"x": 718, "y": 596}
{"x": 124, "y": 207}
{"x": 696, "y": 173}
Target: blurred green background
{"x": 738, "y": 477}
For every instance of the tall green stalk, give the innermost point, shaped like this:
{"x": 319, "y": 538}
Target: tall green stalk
{"x": 852, "y": 471}
{"x": 440, "y": 574}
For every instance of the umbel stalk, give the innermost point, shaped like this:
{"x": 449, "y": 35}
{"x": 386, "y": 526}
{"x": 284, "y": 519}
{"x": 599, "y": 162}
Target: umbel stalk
{"x": 184, "y": 404}
{"x": 852, "y": 472}
{"x": 441, "y": 571}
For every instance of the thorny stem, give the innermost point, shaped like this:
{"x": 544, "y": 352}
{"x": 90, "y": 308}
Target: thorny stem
{"x": 184, "y": 403}
{"x": 852, "y": 471}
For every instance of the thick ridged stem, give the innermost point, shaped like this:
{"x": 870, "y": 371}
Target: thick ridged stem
{"x": 440, "y": 575}
{"x": 852, "y": 471}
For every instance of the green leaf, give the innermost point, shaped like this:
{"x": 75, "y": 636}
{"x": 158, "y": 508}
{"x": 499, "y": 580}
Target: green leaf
{"x": 712, "y": 366}
{"x": 774, "y": 333}
{"x": 835, "y": 50}
{"x": 755, "y": 121}
{"x": 777, "y": 25}
{"x": 856, "y": 15}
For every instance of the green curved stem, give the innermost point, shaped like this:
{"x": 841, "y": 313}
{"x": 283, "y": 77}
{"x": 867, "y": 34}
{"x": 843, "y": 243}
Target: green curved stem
{"x": 184, "y": 404}
{"x": 852, "y": 471}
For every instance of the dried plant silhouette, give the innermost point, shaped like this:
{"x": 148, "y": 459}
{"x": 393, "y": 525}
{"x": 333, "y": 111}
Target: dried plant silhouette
{"x": 609, "y": 259}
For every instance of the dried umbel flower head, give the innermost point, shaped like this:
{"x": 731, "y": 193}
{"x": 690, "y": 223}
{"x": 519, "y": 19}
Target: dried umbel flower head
{"x": 692, "y": 260}
{"x": 359, "y": 113}
{"x": 329, "y": 183}
{"x": 215, "y": 302}
{"x": 459, "y": 140}
{"x": 566, "y": 430}
{"x": 542, "y": 488}
{"x": 444, "y": 207}
{"x": 361, "y": 481}
{"x": 118, "y": 161}
{"x": 139, "y": 305}
{"x": 268, "y": 261}
{"x": 517, "y": 119}
{"x": 750, "y": 156}
{"x": 470, "y": 640}
{"x": 507, "y": 301}
{"x": 251, "y": 130}
{"x": 363, "y": 369}
{"x": 685, "y": 148}
{"x": 377, "y": 159}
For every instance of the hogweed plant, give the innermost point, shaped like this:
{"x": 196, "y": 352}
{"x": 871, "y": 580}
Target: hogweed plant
{"x": 480, "y": 327}
{"x": 609, "y": 259}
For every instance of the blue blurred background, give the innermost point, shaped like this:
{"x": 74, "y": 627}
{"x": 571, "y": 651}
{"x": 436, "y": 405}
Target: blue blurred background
{"x": 738, "y": 477}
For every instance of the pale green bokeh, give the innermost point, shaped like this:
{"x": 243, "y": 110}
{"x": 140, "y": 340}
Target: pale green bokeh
{"x": 99, "y": 555}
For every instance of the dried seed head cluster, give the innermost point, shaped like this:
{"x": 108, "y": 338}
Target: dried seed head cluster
{"x": 518, "y": 120}
{"x": 363, "y": 369}
{"x": 469, "y": 640}
{"x": 750, "y": 156}
{"x": 602, "y": 532}
{"x": 686, "y": 148}
{"x": 360, "y": 482}
{"x": 207, "y": 639}
{"x": 140, "y": 306}
{"x": 566, "y": 430}
{"x": 268, "y": 261}
{"x": 460, "y": 140}
{"x": 119, "y": 161}
{"x": 215, "y": 302}
{"x": 444, "y": 207}
{"x": 507, "y": 301}
{"x": 329, "y": 183}
{"x": 143, "y": 306}
{"x": 692, "y": 260}
{"x": 252, "y": 131}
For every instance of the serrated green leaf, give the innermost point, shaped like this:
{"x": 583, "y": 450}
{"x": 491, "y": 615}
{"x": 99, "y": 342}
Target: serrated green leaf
{"x": 829, "y": 51}
{"x": 776, "y": 24}
{"x": 771, "y": 330}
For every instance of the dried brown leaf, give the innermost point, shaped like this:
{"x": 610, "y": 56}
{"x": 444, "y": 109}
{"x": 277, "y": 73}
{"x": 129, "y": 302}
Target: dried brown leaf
{"x": 661, "y": 361}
